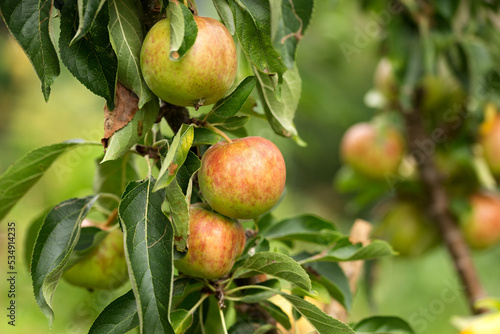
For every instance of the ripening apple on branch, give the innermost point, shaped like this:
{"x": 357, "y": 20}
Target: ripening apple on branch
{"x": 215, "y": 242}
{"x": 202, "y": 76}
{"x": 244, "y": 178}
{"x": 104, "y": 268}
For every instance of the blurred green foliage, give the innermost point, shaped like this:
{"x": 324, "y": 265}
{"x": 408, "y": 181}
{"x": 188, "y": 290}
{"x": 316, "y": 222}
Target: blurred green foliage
{"x": 420, "y": 290}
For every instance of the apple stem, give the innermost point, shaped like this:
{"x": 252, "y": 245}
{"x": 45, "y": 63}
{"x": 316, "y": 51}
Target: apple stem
{"x": 223, "y": 321}
{"x": 198, "y": 303}
{"x": 112, "y": 218}
{"x": 202, "y": 325}
{"x": 219, "y": 132}
{"x": 207, "y": 115}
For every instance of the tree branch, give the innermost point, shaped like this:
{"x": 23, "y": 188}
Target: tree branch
{"x": 174, "y": 115}
{"x": 151, "y": 13}
{"x": 438, "y": 206}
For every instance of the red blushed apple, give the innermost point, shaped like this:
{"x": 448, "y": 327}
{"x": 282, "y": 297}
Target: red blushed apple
{"x": 490, "y": 141}
{"x": 481, "y": 225}
{"x": 215, "y": 242}
{"x": 371, "y": 151}
{"x": 242, "y": 179}
{"x": 104, "y": 268}
{"x": 202, "y": 76}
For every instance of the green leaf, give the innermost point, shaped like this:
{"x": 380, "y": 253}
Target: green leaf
{"x": 383, "y": 325}
{"x": 322, "y": 322}
{"x": 30, "y": 237}
{"x": 232, "y": 103}
{"x": 179, "y": 213}
{"x": 29, "y": 23}
{"x": 180, "y": 285}
{"x": 280, "y": 113}
{"x": 177, "y": 154}
{"x": 253, "y": 27}
{"x": 91, "y": 60}
{"x": 149, "y": 253}
{"x": 179, "y": 200}
{"x": 296, "y": 15}
{"x": 263, "y": 329}
{"x": 119, "y": 317}
{"x": 181, "y": 321}
{"x": 204, "y": 136}
{"x": 244, "y": 327}
{"x": 25, "y": 172}
{"x": 235, "y": 122}
{"x": 280, "y": 266}
{"x": 253, "y": 295}
{"x": 183, "y": 30}
{"x": 56, "y": 240}
{"x": 135, "y": 130}
{"x": 190, "y": 166}
{"x": 222, "y": 7}
{"x": 277, "y": 313}
{"x": 87, "y": 13}
{"x": 305, "y": 228}
{"x": 112, "y": 177}
{"x": 126, "y": 34}
{"x": 344, "y": 250}
{"x": 89, "y": 239}
{"x": 332, "y": 277}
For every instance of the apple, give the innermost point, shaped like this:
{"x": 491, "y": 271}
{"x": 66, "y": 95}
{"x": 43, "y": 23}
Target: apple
{"x": 441, "y": 94}
{"x": 202, "y": 76}
{"x": 490, "y": 142}
{"x": 481, "y": 224}
{"x": 215, "y": 242}
{"x": 407, "y": 229}
{"x": 457, "y": 166}
{"x": 104, "y": 268}
{"x": 244, "y": 178}
{"x": 372, "y": 151}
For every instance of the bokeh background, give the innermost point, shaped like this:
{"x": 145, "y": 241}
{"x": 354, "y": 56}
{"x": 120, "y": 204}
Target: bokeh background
{"x": 424, "y": 290}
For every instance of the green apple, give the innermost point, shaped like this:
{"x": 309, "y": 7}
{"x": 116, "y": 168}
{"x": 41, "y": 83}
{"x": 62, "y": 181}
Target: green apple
{"x": 441, "y": 94}
{"x": 481, "y": 224}
{"x": 406, "y": 228}
{"x": 215, "y": 242}
{"x": 373, "y": 151}
{"x": 104, "y": 268}
{"x": 242, "y": 179}
{"x": 202, "y": 76}
{"x": 456, "y": 165}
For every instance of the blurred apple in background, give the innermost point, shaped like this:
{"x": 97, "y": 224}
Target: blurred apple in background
{"x": 374, "y": 151}
{"x": 481, "y": 224}
{"x": 407, "y": 229}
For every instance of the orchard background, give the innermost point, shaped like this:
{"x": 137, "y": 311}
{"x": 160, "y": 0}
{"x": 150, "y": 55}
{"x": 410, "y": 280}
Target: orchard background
{"x": 337, "y": 59}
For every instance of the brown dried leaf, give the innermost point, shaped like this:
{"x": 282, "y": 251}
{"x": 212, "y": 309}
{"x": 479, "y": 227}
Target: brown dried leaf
{"x": 126, "y": 108}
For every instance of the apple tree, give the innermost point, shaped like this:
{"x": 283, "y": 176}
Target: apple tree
{"x": 426, "y": 165}
{"x": 194, "y": 235}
